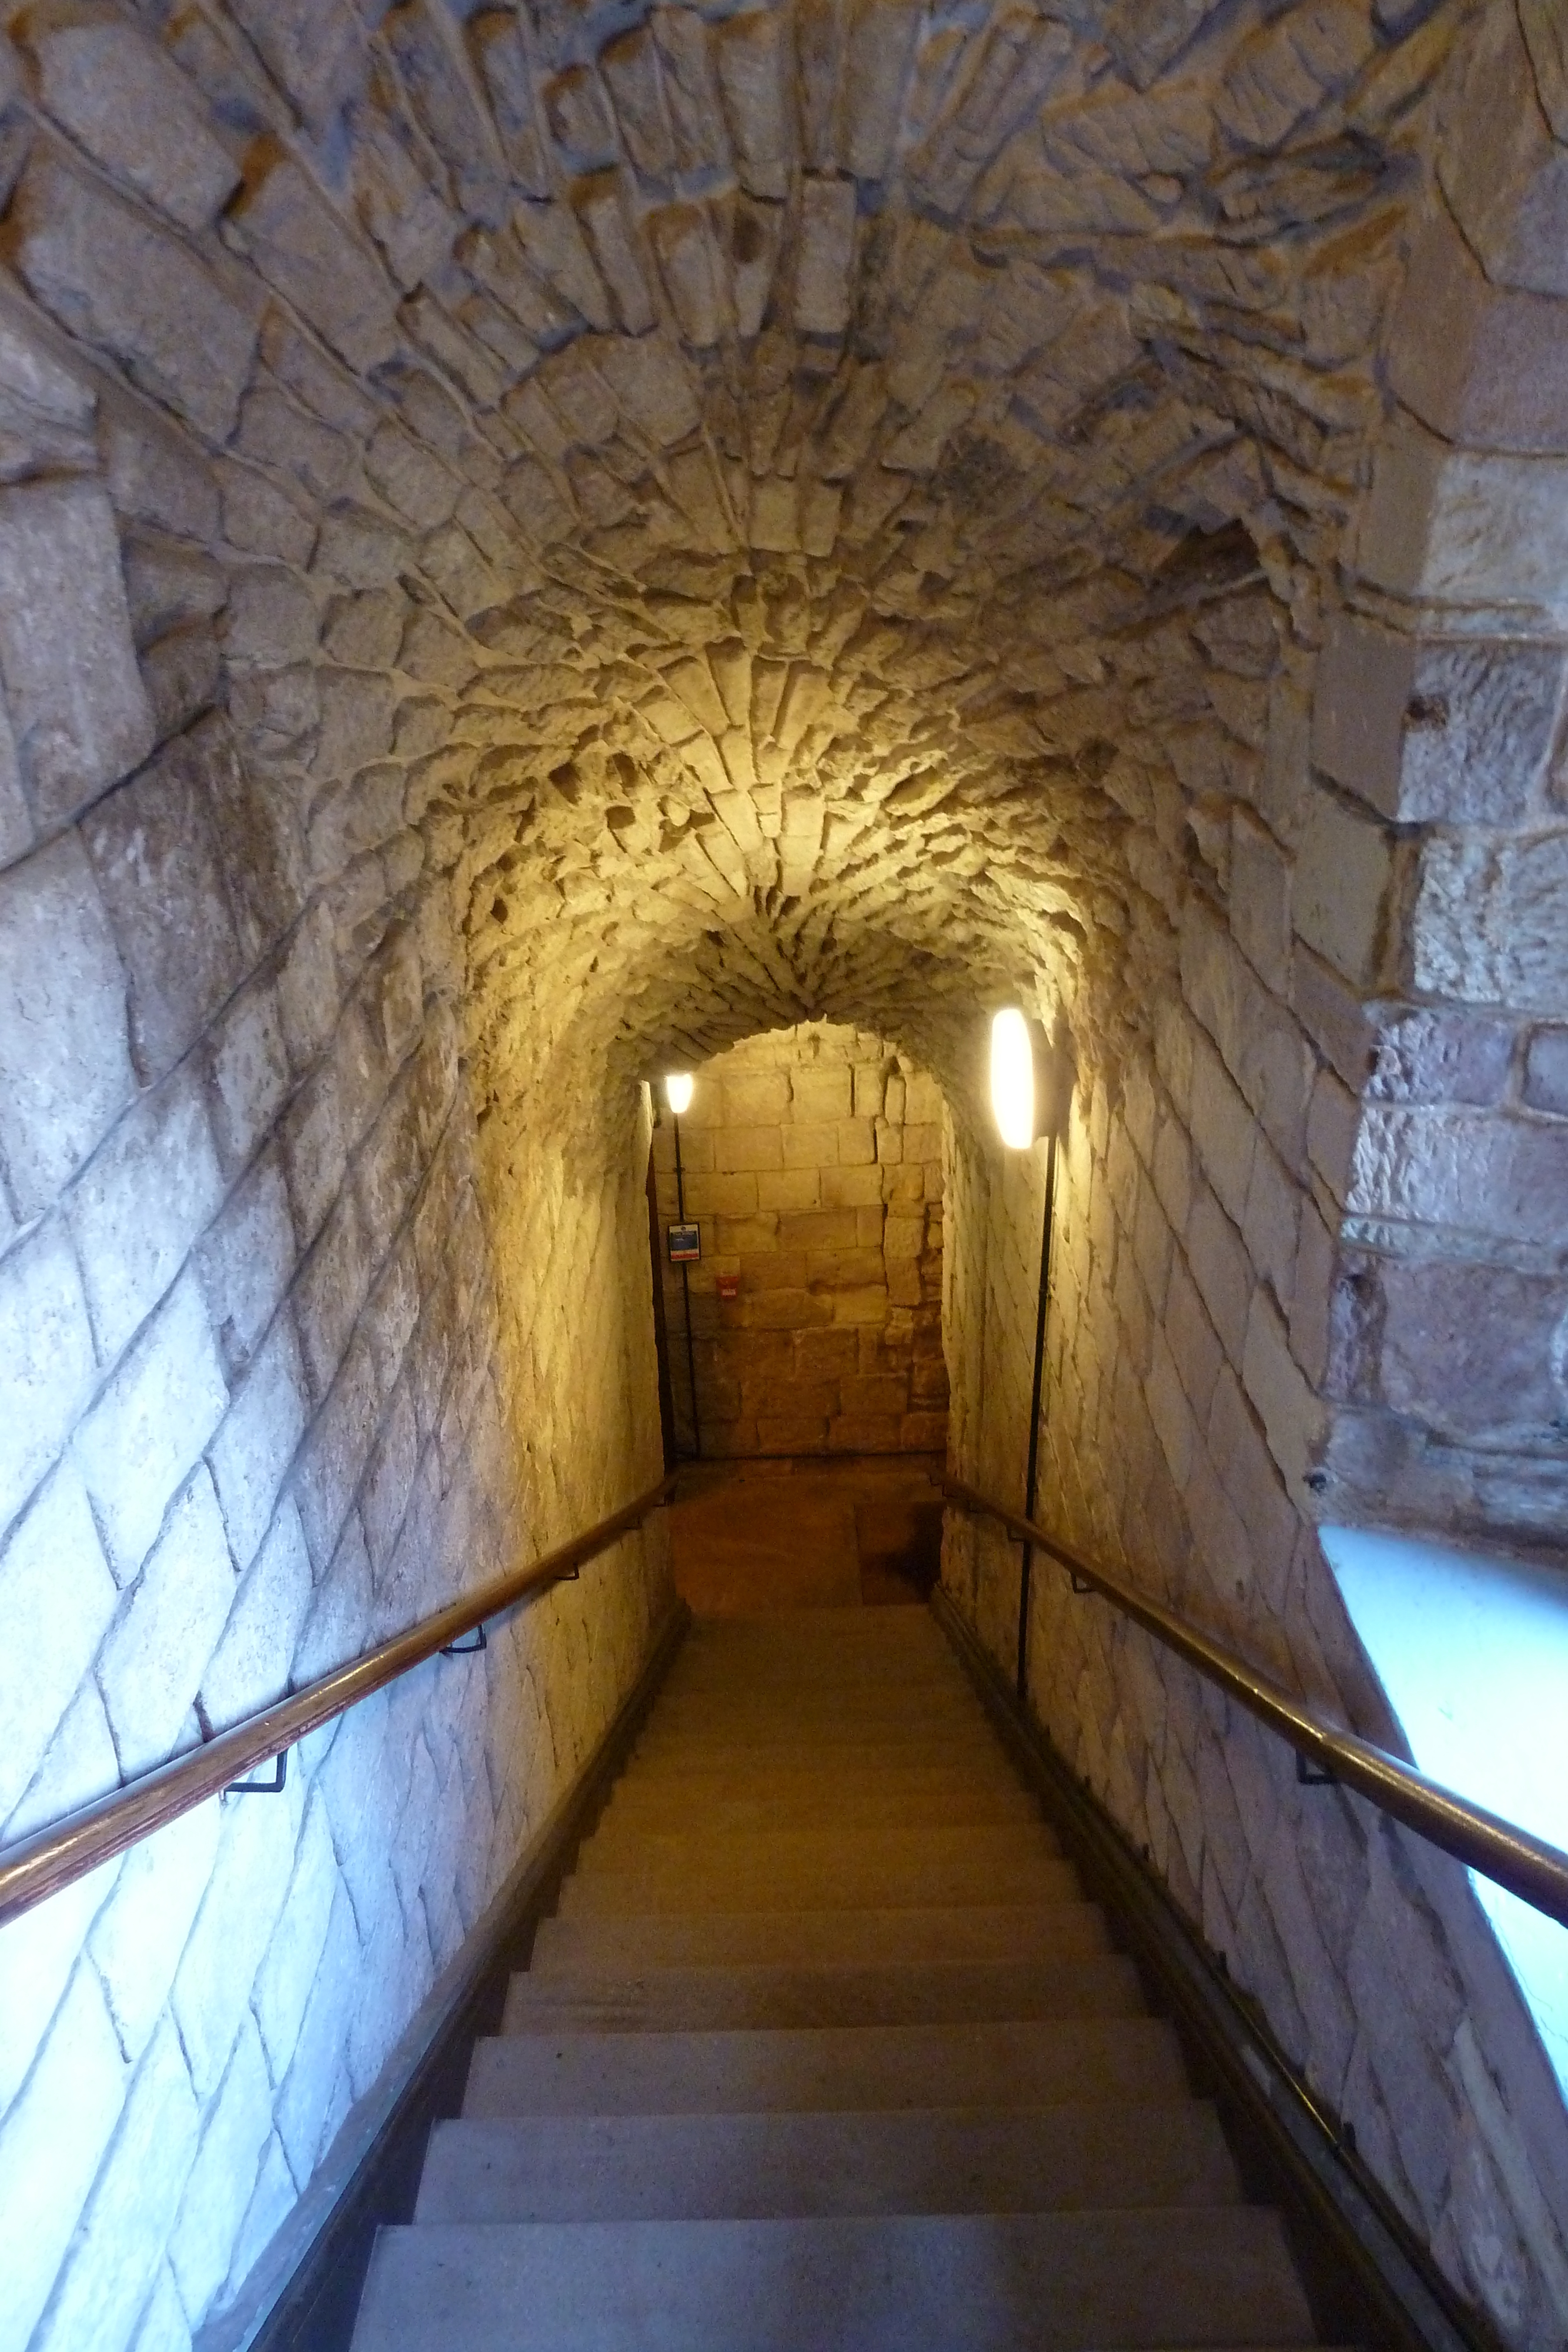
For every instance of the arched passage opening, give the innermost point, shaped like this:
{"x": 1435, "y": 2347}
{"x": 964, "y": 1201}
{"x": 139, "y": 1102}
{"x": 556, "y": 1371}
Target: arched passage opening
{"x": 811, "y": 1165}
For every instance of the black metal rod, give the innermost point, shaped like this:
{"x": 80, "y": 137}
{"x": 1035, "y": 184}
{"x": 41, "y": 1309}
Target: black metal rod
{"x": 1511, "y": 1857}
{"x": 1032, "y": 1477}
{"x": 686, "y": 1294}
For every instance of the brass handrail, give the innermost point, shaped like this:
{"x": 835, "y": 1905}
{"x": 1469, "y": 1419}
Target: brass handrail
{"x": 37, "y": 1867}
{"x": 1526, "y": 1865}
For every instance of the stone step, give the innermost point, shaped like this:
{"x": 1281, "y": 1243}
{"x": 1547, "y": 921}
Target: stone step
{"x": 758, "y": 1761}
{"x": 781, "y": 1631}
{"x": 918, "y": 1936}
{"x": 690, "y": 1999}
{"x": 766, "y": 2167}
{"x": 818, "y": 1800}
{"x": 836, "y": 1881}
{"x": 888, "y": 1778}
{"x": 785, "y": 1853}
{"x": 935, "y": 1726}
{"x": 992, "y": 2283}
{"x": 898, "y": 1684}
{"x": 741, "y": 1666}
{"x": 1003, "y": 2066}
{"x": 901, "y": 1697}
{"x": 702, "y": 1667}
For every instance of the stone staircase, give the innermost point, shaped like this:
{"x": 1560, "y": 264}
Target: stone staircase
{"x": 824, "y": 2047}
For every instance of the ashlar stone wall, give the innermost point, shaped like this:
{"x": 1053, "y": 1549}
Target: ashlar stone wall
{"x": 259, "y": 1405}
{"x": 1365, "y": 1948}
{"x": 812, "y": 1161}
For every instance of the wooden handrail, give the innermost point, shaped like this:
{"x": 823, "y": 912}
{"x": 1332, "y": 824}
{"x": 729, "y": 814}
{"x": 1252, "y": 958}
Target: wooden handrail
{"x": 37, "y": 1866}
{"x": 1537, "y": 1873}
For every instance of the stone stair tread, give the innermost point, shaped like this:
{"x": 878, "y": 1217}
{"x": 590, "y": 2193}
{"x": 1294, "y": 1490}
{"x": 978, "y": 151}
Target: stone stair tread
{"x": 919, "y": 1933}
{"x": 1002, "y": 2065}
{"x": 891, "y": 1782}
{"x": 764, "y": 1736}
{"x": 648, "y": 1851}
{"x": 764, "y": 2167}
{"x": 991, "y": 2282}
{"x": 726, "y": 1815}
{"x": 900, "y": 1702}
{"x": 825, "y": 2048}
{"x": 808, "y": 1796}
{"x": 687, "y": 1999}
{"x": 831, "y": 1883}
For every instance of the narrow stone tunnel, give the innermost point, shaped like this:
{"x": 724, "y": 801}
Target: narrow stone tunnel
{"x": 541, "y": 546}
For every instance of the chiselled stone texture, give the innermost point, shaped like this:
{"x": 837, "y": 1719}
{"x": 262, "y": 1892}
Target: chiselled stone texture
{"x": 537, "y": 544}
{"x": 1167, "y": 1422}
{"x": 811, "y": 1160}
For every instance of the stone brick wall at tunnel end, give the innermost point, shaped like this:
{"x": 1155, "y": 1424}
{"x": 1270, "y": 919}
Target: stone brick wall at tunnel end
{"x": 813, "y": 1162}
{"x": 1161, "y": 1421}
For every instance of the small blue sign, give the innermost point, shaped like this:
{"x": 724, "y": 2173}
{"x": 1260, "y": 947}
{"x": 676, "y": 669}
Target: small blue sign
{"x": 685, "y": 1244}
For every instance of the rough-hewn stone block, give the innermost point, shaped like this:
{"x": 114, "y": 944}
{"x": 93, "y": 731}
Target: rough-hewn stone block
{"x": 79, "y": 710}
{"x": 305, "y": 2103}
{"x": 1485, "y": 926}
{"x": 113, "y": 277}
{"x": 1456, "y": 733}
{"x": 1508, "y": 1177}
{"x": 154, "y": 848}
{"x": 1507, "y": 177}
{"x": 738, "y": 1148}
{"x": 135, "y": 114}
{"x": 52, "y": 1574}
{"x": 140, "y": 1205}
{"x": 1546, "y": 1071}
{"x": 1343, "y": 871}
{"x": 257, "y": 1438}
{"x": 153, "y": 1661}
{"x": 46, "y": 2174}
{"x": 140, "y": 1933}
{"x": 1476, "y": 364}
{"x": 46, "y": 1345}
{"x": 65, "y": 1067}
{"x": 202, "y": 2244}
{"x": 149, "y": 1424}
{"x": 1461, "y": 529}
{"x": 312, "y": 256}
{"x": 234, "y": 1926}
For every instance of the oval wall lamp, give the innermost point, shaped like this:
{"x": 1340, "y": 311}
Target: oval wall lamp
{"x": 679, "y": 1087}
{"x": 1022, "y": 1092}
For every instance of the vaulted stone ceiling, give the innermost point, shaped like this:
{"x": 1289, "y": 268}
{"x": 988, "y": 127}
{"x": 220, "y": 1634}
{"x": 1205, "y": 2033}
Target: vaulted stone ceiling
{"x": 900, "y": 406}
{"x": 831, "y": 491}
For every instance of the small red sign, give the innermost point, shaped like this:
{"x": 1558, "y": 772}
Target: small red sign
{"x": 728, "y": 1285}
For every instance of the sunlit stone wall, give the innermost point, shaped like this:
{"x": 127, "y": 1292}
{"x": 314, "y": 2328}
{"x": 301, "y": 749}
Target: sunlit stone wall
{"x": 1167, "y": 1451}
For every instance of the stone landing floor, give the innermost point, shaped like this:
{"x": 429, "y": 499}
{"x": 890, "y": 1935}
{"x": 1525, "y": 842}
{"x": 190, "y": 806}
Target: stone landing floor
{"x": 806, "y": 1534}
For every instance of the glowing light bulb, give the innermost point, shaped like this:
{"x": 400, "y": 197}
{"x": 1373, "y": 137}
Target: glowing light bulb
{"x": 678, "y": 1089}
{"x": 1013, "y": 1095}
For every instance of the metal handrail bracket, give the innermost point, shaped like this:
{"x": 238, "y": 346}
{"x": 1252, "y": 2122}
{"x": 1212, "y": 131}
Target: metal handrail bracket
{"x": 41, "y": 1865}
{"x": 1528, "y": 1866}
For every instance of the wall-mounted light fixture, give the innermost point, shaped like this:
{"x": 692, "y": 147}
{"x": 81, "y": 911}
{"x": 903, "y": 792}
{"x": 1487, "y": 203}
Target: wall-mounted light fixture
{"x": 679, "y": 1087}
{"x": 1032, "y": 1085}
{"x": 1020, "y": 1080}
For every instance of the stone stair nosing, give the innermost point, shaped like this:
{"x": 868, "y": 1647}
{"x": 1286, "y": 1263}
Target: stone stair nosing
{"x": 825, "y": 2047}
